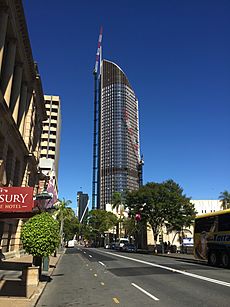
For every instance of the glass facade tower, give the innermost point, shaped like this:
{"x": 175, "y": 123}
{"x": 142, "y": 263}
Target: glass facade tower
{"x": 118, "y": 150}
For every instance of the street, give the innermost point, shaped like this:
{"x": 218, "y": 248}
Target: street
{"x": 100, "y": 277}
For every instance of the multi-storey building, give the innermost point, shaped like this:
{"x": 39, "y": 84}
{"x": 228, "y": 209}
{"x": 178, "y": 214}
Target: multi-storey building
{"x": 119, "y": 162}
{"x": 22, "y": 111}
{"x": 50, "y": 141}
{"x": 82, "y": 205}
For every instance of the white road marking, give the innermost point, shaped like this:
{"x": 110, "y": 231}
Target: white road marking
{"x": 116, "y": 300}
{"x": 145, "y": 292}
{"x": 90, "y": 256}
{"x": 101, "y": 263}
{"x": 215, "y": 281}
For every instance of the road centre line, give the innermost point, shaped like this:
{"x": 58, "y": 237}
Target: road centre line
{"x": 145, "y": 292}
{"x": 215, "y": 281}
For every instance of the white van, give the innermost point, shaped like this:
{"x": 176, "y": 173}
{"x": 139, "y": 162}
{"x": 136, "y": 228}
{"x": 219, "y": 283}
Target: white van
{"x": 71, "y": 243}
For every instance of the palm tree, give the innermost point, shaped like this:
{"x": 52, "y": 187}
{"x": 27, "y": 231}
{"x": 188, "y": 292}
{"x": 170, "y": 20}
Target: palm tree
{"x": 62, "y": 213}
{"x": 116, "y": 201}
{"x": 117, "y": 204}
{"x": 225, "y": 198}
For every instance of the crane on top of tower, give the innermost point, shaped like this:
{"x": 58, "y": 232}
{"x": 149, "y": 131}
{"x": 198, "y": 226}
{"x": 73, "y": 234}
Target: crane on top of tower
{"x": 98, "y": 51}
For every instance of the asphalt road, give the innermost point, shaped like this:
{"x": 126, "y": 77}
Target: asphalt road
{"x": 99, "y": 277}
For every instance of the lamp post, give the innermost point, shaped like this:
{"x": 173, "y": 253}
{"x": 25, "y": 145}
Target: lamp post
{"x": 42, "y": 197}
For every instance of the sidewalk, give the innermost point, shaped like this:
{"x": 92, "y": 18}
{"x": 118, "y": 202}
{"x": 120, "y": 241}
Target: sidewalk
{"x": 185, "y": 257}
{"x": 13, "y": 292}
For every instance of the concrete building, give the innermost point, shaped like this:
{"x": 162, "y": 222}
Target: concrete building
{"x": 119, "y": 146}
{"x": 50, "y": 140}
{"x": 82, "y": 205}
{"x": 22, "y": 111}
{"x": 206, "y": 206}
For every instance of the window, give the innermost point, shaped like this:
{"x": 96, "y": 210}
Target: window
{"x": 224, "y": 222}
{"x": 205, "y": 224}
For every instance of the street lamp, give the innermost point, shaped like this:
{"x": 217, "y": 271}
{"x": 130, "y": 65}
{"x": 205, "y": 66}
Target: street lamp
{"x": 42, "y": 197}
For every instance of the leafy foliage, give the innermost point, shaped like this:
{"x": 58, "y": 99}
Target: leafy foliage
{"x": 63, "y": 213}
{"x": 116, "y": 200}
{"x": 40, "y": 235}
{"x": 161, "y": 204}
{"x": 99, "y": 221}
{"x": 225, "y": 199}
{"x": 71, "y": 227}
{"x": 130, "y": 226}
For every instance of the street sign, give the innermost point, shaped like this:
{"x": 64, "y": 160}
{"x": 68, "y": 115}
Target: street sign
{"x": 16, "y": 199}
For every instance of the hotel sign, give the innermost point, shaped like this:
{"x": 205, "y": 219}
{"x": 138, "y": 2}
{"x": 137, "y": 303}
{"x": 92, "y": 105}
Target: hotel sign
{"x": 16, "y": 199}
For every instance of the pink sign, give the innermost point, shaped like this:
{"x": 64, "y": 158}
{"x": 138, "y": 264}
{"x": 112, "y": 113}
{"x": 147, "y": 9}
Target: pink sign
{"x": 16, "y": 199}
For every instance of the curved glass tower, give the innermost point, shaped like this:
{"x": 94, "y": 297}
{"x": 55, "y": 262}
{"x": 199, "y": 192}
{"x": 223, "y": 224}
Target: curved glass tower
{"x": 118, "y": 135}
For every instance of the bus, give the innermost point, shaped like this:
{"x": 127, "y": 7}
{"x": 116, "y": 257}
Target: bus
{"x": 212, "y": 238}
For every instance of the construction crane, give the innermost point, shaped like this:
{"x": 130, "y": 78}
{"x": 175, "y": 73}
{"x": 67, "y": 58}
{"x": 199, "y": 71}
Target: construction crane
{"x": 135, "y": 146}
{"x": 99, "y": 53}
{"x": 95, "y": 183}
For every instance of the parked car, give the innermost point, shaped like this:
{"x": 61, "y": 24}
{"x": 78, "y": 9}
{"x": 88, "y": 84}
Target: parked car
{"x": 120, "y": 243}
{"x": 129, "y": 247}
{"x": 112, "y": 245}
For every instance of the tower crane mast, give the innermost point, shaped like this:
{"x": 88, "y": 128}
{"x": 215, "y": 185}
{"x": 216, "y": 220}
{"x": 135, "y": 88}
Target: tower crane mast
{"x": 95, "y": 184}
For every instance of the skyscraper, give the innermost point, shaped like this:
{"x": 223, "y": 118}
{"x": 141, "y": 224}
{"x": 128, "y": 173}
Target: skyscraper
{"x": 82, "y": 205}
{"x": 119, "y": 164}
{"x": 50, "y": 140}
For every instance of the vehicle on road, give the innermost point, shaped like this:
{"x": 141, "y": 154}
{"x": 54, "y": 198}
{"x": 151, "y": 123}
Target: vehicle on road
{"x": 70, "y": 243}
{"x": 110, "y": 245}
{"x": 212, "y": 238}
{"x": 129, "y": 247}
{"x": 120, "y": 243}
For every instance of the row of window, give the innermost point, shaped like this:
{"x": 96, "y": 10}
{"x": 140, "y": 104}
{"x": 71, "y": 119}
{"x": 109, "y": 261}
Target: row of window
{"x": 213, "y": 223}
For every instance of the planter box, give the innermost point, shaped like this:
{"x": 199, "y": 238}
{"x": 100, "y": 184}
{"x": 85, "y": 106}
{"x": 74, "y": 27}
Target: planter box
{"x": 30, "y": 276}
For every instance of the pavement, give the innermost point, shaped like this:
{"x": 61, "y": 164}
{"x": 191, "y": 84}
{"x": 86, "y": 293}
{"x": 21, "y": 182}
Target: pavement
{"x": 184, "y": 257}
{"x": 13, "y": 292}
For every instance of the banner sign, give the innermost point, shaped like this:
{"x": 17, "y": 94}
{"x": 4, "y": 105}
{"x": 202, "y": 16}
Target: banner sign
{"x": 16, "y": 199}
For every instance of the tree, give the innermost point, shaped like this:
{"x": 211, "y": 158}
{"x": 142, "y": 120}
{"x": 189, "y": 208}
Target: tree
{"x": 225, "y": 199}
{"x": 117, "y": 203}
{"x": 62, "y": 213}
{"x": 161, "y": 204}
{"x": 40, "y": 236}
{"x": 98, "y": 222}
{"x": 130, "y": 226}
{"x": 71, "y": 228}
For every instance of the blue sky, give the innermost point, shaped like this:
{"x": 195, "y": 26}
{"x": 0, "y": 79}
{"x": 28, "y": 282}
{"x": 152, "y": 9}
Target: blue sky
{"x": 176, "y": 57}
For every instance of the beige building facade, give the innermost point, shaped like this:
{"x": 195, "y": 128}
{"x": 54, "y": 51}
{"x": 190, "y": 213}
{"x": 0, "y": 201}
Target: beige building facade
{"x": 22, "y": 111}
{"x": 50, "y": 139}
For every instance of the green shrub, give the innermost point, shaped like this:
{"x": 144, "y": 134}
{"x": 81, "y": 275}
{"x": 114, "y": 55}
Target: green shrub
{"x": 40, "y": 235}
